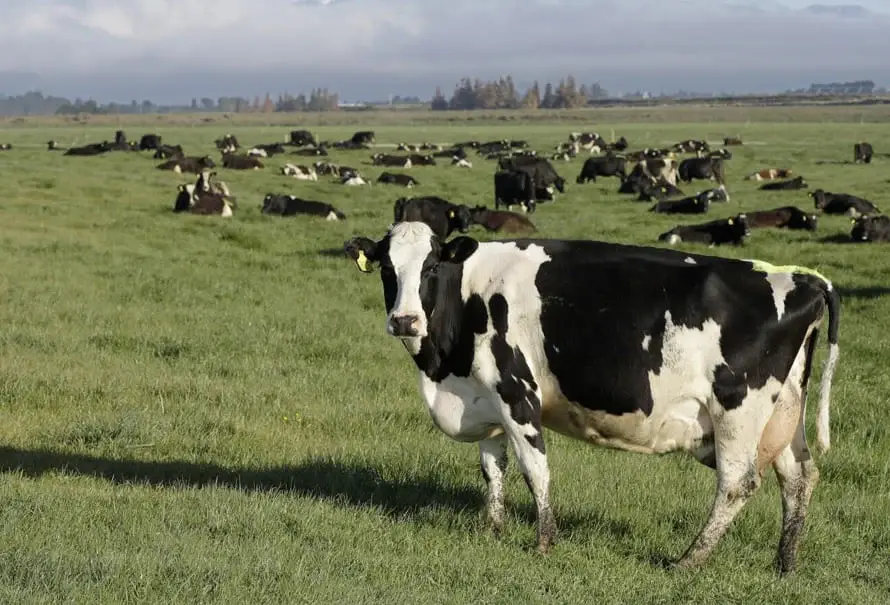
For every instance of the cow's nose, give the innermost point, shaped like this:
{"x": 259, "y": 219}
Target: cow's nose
{"x": 403, "y": 325}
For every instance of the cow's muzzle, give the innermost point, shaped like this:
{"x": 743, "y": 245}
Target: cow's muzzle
{"x": 404, "y": 326}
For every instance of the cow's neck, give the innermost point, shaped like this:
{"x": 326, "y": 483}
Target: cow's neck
{"x": 443, "y": 349}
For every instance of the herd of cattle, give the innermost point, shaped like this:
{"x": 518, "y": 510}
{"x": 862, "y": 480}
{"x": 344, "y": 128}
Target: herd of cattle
{"x": 523, "y": 178}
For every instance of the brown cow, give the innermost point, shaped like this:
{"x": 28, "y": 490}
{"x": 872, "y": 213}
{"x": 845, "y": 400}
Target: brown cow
{"x": 786, "y": 217}
{"x": 500, "y": 220}
{"x": 768, "y": 174}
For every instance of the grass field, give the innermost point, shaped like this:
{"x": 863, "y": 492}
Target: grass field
{"x": 196, "y": 409}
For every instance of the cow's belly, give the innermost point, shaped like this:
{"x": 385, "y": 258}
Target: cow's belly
{"x": 460, "y": 408}
{"x": 676, "y": 423}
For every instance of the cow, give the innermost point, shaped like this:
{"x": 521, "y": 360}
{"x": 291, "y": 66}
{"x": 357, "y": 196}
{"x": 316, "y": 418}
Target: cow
{"x": 166, "y": 152}
{"x": 732, "y": 230}
{"x": 233, "y": 161}
{"x": 696, "y": 204}
{"x": 288, "y": 205}
{"x": 541, "y": 170}
{"x": 441, "y": 216}
{"x": 605, "y": 166}
{"x": 384, "y": 159}
{"x": 453, "y": 152}
{"x": 391, "y": 178}
{"x": 266, "y": 150}
{"x": 207, "y": 183}
{"x": 326, "y": 168}
{"x": 320, "y": 151}
{"x": 842, "y": 203}
{"x": 227, "y": 144}
{"x": 721, "y": 153}
{"x": 90, "y": 149}
{"x": 786, "y": 217}
{"x": 727, "y": 141}
{"x": 797, "y": 182}
{"x": 364, "y": 137}
{"x": 620, "y": 145}
{"x": 652, "y": 169}
{"x": 301, "y": 173}
{"x": 501, "y": 221}
{"x": 418, "y": 159}
{"x": 769, "y": 174}
{"x": 702, "y": 168}
{"x": 591, "y": 141}
{"x": 658, "y": 190}
{"x": 461, "y": 162}
{"x": 636, "y": 348}
{"x": 514, "y": 187}
{"x": 201, "y": 202}
{"x": 188, "y": 164}
{"x": 300, "y": 138}
{"x": 352, "y": 179}
{"x": 871, "y": 229}
{"x": 698, "y": 147}
{"x": 6, "y": 147}
{"x": 52, "y": 145}
{"x": 150, "y": 142}
{"x": 407, "y": 147}
{"x": 862, "y": 152}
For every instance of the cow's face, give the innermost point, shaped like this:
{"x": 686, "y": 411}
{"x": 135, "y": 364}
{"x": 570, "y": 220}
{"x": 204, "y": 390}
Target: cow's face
{"x": 818, "y": 198}
{"x": 411, "y": 259}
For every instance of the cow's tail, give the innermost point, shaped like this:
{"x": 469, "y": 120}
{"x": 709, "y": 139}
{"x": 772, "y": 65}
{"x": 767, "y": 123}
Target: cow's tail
{"x": 832, "y": 299}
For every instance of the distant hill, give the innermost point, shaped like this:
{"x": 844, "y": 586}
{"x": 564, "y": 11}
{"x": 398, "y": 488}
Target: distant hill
{"x": 847, "y": 11}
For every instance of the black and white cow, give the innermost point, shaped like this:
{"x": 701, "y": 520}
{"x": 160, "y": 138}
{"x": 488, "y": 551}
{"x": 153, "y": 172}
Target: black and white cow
{"x": 707, "y": 168}
{"x": 392, "y": 178}
{"x": 514, "y": 187}
{"x": 658, "y": 190}
{"x": 636, "y": 348}
{"x": 188, "y": 164}
{"x": 797, "y": 182}
{"x": 300, "y": 138}
{"x": 842, "y": 203}
{"x": 732, "y": 230}
{"x": 440, "y": 215}
{"x": 234, "y": 161}
{"x": 300, "y": 172}
{"x": 605, "y": 166}
{"x": 688, "y": 205}
{"x": 786, "y": 217}
{"x": 871, "y": 229}
{"x": 289, "y": 205}
{"x": 385, "y": 159}
{"x": 862, "y": 152}
{"x": 364, "y": 137}
{"x": 698, "y": 147}
{"x": 165, "y": 152}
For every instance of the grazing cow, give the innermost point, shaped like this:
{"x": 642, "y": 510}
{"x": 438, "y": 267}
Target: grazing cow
{"x": 364, "y": 137}
{"x": 440, "y": 215}
{"x": 234, "y": 161}
{"x": 727, "y": 141}
{"x": 871, "y": 229}
{"x": 461, "y": 162}
{"x": 541, "y": 170}
{"x": 501, "y": 221}
{"x": 792, "y": 184}
{"x": 227, "y": 144}
{"x": 769, "y": 174}
{"x": 300, "y": 138}
{"x": 786, "y": 217}
{"x": 698, "y": 147}
{"x": 266, "y": 150}
{"x": 288, "y": 205}
{"x": 636, "y": 348}
{"x": 842, "y": 203}
{"x": 90, "y": 149}
{"x": 697, "y": 204}
{"x": 384, "y": 159}
{"x": 188, "y": 164}
{"x": 391, "y": 178}
{"x": 201, "y": 202}
{"x": 470, "y": 144}
{"x": 418, "y": 159}
{"x": 514, "y": 187}
{"x": 301, "y": 173}
{"x": 605, "y": 166}
{"x": 702, "y": 168}
{"x": 165, "y": 152}
{"x": 149, "y": 142}
{"x": 731, "y": 230}
{"x": 862, "y": 152}
{"x": 207, "y": 182}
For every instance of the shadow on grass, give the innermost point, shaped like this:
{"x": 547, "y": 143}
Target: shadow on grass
{"x": 333, "y": 253}
{"x": 838, "y": 238}
{"x": 867, "y": 292}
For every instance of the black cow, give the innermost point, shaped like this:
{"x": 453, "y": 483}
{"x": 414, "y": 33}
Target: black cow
{"x": 788, "y": 185}
{"x": 514, "y": 187}
{"x": 149, "y": 142}
{"x": 320, "y": 151}
{"x": 862, "y": 152}
{"x": 228, "y": 143}
{"x": 188, "y": 164}
{"x": 541, "y": 170}
{"x": 234, "y": 161}
{"x": 288, "y": 205}
{"x": 188, "y": 199}
{"x": 385, "y": 159}
{"x": 842, "y": 203}
{"x": 52, "y": 145}
{"x": 635, "y": 348}
{"x": 439, "y": 214}
{"x": 454, "y": 152}
{"x": 90, "y": 149}
{"x": 658, "y": 190}
{"x": 620, "y": 145}
{"x": 165, "y": 152}
{"x": 391, "y": 178}
{"x": 419, "y": 159}
{"x": 364, "y": 137}
{"x": 696, "y": 204}
{"x": 731, "y": 230}
{"x": 871, "y": 229}
{"x": 786, "y": 217}
{"x": 300, "y": 138}
{"x": 702, "y": 168}
{"x": 266, "y": 149}
{"x": 607, "y": 165}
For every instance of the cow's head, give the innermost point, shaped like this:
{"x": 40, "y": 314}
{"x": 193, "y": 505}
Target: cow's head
{"x": 818, "y": 196}
{"x": 413, "y": 261}
{"x": 460, "y": 218}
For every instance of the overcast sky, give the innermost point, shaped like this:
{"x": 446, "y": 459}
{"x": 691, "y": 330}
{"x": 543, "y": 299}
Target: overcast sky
{"x": 172, "y": 50}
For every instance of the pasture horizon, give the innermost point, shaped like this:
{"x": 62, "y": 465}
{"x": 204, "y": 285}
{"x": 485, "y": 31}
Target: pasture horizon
{"x": 199, "y": 409}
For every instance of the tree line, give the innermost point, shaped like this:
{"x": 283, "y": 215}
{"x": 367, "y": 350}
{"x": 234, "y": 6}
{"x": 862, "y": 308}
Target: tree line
{"x": 502, "y": 94}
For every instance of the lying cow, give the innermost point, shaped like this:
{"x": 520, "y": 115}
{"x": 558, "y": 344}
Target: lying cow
{"x": 352, "y": 179}
{"x": 731, "y": 230}
{"x": 384, "y": 159}
{"x": 326, "y": 168}
{"x": 403, "y": 180}
{"x": 227, "y": 144}
{"x": 233, "y": 161}
{"x": 289, "y": 205}
{"x": 320, "y": 151}
{"x": 605, "y": 166}
{"x": 769, "y": 174}
{"x": 789, "y": 185}
{"x": 871, "y": 229}
{"x": 862, "y": 152}
{"x": 301, "y": 173}
{"x": 658, "y": 190}
{"x": 641, "y": 349}
{"x": 696, "y": 204}
{"x": 786, "y": 217}
{"x": 498, "y": 221}
{"x": 201, "y": 202}
{"x": 90, "y": 149}
{"x": 166, "y": 152}
{"x": 440, "y": 215}
{"x": 842, "y": 203}
{"x": 727, "y": 141}
{"x": 188, "y": 164}
{"x": 266, "y": 150}
{"x": 419, "y": 159}
{"x": 6, "y": 147}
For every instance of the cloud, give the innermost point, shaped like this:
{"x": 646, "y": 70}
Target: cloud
{"x": 424, "y": 38}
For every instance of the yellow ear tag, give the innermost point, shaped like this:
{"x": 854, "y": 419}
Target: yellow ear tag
{"x": 729, "y": 222}
{"x": 362, "y": 262}
{"x": 451, "y": 214}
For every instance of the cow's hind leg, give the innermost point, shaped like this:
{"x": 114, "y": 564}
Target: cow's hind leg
{"x": 493, "y": 461}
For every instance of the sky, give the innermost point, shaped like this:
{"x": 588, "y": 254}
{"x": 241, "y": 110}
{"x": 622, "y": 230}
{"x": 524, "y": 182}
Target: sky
{"x": 173, "y": 50}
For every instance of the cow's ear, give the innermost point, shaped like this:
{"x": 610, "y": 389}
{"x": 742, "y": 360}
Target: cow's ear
{"x": 459, "y": 249}
{"x": 363, "y": 252}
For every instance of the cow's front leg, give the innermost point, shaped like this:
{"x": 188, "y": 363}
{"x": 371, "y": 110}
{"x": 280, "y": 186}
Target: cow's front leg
{"x": 493, "y": 461}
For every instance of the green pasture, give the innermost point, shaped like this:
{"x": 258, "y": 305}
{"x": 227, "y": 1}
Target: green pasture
{"x": 207, "y": 410}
